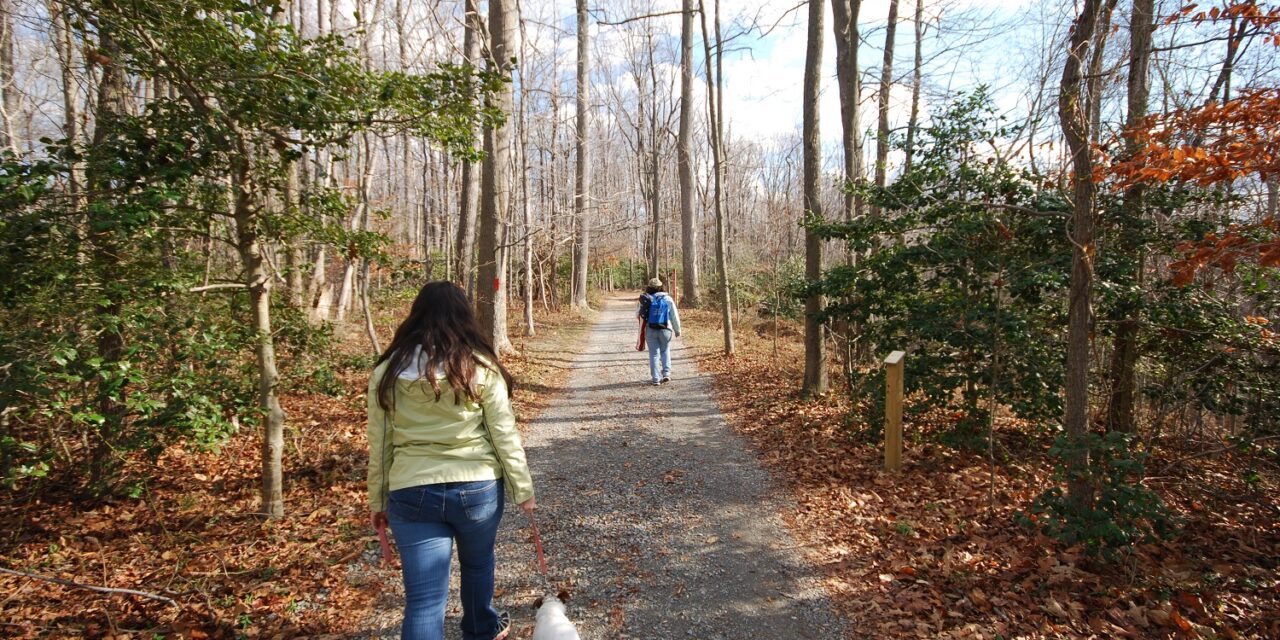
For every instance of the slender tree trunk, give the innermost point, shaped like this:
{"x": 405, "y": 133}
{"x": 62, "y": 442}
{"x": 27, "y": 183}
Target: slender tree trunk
{"x": 112, "y": 103}
{"x": 913, "y": 120}
{"x": 714, "y": 132}
{"x": 1073, "y": 111}
{"x": 8, "y": 90}
{"x": 1120, "y": 411}
{"x": 527, "y": 289}
{"x": 844, "y": 21}
{"x": 655, "y": 174}
{"x": 465, "y": 244}
{"x": 258, "y": 281}
{"x": 1273, "y": 196}
{"x": 65, "y": 46}
{"x": 886, "y": 87}
{"x": 815, "y": 355}
{"x": 495, "y": 185}
{"x": 582, "y": 171}
{"x": 684, "y": 162}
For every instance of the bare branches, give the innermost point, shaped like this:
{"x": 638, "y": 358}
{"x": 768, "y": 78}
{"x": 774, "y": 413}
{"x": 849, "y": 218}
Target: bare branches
{"x": 77, "y": 585}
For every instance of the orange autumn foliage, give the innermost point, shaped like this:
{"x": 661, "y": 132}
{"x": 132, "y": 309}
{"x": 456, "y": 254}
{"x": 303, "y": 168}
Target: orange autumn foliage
{"x": 1207, "y": 146}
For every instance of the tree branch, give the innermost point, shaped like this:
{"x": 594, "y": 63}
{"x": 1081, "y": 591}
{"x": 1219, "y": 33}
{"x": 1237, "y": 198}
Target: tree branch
{"x": 77, "y": 585}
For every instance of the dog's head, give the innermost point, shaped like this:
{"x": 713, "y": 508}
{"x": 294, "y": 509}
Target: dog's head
{"x": 557, "y": 601}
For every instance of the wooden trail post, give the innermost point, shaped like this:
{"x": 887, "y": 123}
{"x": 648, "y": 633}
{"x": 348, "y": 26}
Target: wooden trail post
{"x": 893, "y": 411}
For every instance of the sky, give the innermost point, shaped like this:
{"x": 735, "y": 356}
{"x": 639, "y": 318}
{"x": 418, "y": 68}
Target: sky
{"x": 763, "y": 72}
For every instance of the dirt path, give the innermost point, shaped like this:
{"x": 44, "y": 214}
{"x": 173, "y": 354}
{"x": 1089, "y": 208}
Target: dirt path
{"x": 653, "y": 512}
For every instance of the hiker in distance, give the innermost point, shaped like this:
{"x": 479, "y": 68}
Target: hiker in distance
{"x": 443, "y": 452}
{"x": 660, "y": 321}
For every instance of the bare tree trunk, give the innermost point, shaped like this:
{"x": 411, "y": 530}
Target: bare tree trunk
{"x": 65, "y": 46}
{"x": 815, "y": 356}
{"x": 1273, "y": 196}
{"x": 1120, "y": 409}
{"x": 465, "y": 245}
{"x": 655, "y": 173}
{"x": 886, "y": 86}
{"x": 913, "y": 120}
{"x": 527, "y": 293}
{"x": 113, "y": 97}
{"x": 8, "y": 90}
{"x": 715, "y": 133}
{"x": 495, "y": 185}
{"x": 844, "y": 21}
{"x": 582, "y": 172}
{"x": 258, "y": 280}
{"x": 1073, "y": 112}
{"x": 684, "y": 162}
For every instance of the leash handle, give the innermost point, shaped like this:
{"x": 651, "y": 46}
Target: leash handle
{"x": 537, "y": 544}
{"x": 386, "y": 545}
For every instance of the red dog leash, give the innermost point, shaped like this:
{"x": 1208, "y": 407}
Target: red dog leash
{"x": 386, "y": 545}
{"x": 537, "y": 544}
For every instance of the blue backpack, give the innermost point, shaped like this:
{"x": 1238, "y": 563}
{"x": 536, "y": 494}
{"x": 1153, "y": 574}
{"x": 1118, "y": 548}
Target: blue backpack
{"x": 659, "y": 310}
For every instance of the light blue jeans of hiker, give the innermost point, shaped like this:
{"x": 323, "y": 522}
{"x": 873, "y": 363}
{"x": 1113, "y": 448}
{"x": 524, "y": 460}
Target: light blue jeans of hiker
{"x": 426, "y": 521}
{"x": 659, "y": 341}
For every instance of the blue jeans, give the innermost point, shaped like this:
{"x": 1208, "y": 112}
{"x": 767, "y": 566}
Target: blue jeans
{"x": 659, "y": 342}
{"x": 426, "y": 520}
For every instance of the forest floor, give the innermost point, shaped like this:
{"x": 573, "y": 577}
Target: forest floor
{"x": 658, "y": 517}
{"x": 935, "y": 551}
{"x": 192, "y": 535}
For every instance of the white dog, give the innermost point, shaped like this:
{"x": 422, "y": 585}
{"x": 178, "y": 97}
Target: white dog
{"x": 552, "y": 623}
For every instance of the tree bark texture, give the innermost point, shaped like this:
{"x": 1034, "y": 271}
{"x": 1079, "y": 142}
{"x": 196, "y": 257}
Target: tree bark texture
{"x": 112, "y": 103}
{"x": 8, "y": 90}
{"x": 913, "y": 120}
{"x": 886, "y": 89}
{"x": 1120, "y": 408}
{"x": 716, "y": 134}
{"x": 844, "y": 21}
{"x": 1073, "y": 113}
{"x": 815, "y": 355}
{"x": 495, "y": 186}
{"x": 684, "y": 163}
{"x": 465, "y": 243}
{"x": 582, "y": 170}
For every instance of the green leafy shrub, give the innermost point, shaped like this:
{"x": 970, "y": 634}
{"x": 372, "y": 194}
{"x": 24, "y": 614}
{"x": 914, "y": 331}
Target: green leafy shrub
{"x": 1119, "y": 511}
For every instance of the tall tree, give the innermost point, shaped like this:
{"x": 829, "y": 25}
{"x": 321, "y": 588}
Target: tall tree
{"x": 1124, "y": 355}
{"x": 8, "y": 90}
{"x": 582, "y": 171}
{"x": 715, "y": 132}
{"x": 913, "y": 120}
{"x": 495, "y": 183}
{"x": 886, "y": 89}
{"x": 65, "y": 46}
{"x": 815, "y": 356}
{"x": 684, "y": 162}
{"x": 1074, "y": 110}
{"x": 844, "y": 21}
{"x": 465, "y": 244}
{"x": 527, "y": 222}
{"x": 111, "y": 106}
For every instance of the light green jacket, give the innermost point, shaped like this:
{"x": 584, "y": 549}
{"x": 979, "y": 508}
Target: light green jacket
{"x": 425, "y": 441}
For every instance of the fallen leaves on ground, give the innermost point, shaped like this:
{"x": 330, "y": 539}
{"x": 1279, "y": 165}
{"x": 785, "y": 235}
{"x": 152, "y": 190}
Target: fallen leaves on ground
{"x": 934, "y": 551}
{"x": 194, "y": 534}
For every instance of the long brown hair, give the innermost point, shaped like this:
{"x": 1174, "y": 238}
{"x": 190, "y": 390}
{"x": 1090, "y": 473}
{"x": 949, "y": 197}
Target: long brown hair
{"x": 443, "y": 324}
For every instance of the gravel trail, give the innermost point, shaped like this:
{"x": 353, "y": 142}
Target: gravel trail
{"x": 653, "y": 512}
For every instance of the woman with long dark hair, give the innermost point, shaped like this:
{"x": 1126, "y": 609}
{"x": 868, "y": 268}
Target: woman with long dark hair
{"x": 443, "y": 451}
